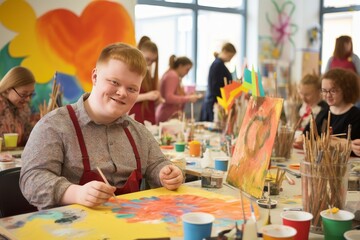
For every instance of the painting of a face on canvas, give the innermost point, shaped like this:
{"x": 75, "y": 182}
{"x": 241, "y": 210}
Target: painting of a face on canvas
{"x": 251, "y": 157}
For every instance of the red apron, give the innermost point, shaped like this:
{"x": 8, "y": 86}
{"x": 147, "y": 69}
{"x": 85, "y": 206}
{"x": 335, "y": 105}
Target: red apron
{"x": 133, "y": 182}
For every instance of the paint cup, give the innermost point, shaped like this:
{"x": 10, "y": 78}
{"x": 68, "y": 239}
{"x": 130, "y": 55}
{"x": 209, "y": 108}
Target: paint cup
{"x": 197, "y": 225}
{"x": 352, "y": 235}
{"x": 278, "y": 232}
{"x": 180, "y": 147}
{"x": 11, "y": 140}
{"x": 299, "y": 220}
{"x": 221, "y": 163}
{"x": 336, "y": 224}
{"x": 194, "y": 148}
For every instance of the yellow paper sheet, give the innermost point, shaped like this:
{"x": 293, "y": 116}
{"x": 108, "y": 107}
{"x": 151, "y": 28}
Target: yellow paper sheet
{"x": 147, "y": 214}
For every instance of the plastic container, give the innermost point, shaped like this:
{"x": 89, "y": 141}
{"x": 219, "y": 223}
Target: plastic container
{"x": 323, "y": 185}
{"x": 217, "y": 179}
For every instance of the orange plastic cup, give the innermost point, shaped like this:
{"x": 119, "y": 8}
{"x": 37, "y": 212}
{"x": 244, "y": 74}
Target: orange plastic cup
{"x": 194, "y": 148}
{"x": 278, "y": 232}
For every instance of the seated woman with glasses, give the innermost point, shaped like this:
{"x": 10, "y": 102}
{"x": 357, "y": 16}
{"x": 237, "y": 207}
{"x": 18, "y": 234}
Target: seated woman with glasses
{"x": 339, "y": 88}
{"x": 16, "y": 90}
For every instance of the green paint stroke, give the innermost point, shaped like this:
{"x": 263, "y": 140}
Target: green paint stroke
{"x": 6, "y": 61}
{"x": 129, "y": 215}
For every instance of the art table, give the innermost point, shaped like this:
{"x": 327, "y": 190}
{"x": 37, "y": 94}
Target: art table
{"x": 148, "y": 214}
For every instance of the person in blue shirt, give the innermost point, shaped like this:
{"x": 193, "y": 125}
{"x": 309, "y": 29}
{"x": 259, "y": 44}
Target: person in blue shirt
{"x": 218, "y": 71}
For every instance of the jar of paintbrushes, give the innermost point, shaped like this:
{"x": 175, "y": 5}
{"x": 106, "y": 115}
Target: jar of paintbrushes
{"x": 283, "y": 144}
{"x": 324, "y": 174}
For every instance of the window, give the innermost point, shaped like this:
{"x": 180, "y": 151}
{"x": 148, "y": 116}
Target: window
{"x": 222, "y": 3}
{"x": 186, "y": 28}
{"x": 211, "y": 37}
{"x": 336, "y": 22}
{"x": 337, "y": 3}
{"x": 171, "y": 30}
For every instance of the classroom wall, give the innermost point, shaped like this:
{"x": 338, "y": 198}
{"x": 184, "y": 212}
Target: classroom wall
{"x": 61, "y": 36}
{"x": 264, "y": 41}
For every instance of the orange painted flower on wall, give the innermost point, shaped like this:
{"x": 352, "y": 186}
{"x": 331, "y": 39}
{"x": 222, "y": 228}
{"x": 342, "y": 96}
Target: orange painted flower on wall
{"x": 60, "y": 40}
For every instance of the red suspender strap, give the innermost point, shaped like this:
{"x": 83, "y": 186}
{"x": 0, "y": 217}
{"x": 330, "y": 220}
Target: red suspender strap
{"x": 133, "y": 145}
{"x": 80, "y": 137}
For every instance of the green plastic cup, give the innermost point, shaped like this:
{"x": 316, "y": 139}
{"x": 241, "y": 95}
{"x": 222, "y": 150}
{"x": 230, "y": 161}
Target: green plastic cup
{"x": 180, "y": 147}
{"x": 336, "y": 224}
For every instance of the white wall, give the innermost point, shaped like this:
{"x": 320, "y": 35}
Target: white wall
{"x": 305, "y": 16}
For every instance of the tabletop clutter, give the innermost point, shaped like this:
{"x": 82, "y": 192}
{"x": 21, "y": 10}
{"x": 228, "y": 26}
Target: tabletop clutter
{"x": 7, "y": 160}
{"x": 324, "y": 186}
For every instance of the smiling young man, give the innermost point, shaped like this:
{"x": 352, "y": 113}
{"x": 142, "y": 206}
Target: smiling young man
{"x": 16, "y": 89}
{"x": 69, "y": 143}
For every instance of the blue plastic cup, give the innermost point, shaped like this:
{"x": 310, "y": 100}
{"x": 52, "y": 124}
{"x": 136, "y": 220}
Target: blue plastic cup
{"x": 197, "y": 225}
{"x": 221, "y": 163}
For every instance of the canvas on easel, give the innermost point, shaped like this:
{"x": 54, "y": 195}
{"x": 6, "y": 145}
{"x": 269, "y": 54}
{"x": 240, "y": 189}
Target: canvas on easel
{"x": 251, "y": 157}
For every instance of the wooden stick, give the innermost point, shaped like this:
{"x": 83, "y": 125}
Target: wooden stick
{"x": 276, "y": 87}
{"x": 337, "y": 135}
{"x": 106, "y": 181}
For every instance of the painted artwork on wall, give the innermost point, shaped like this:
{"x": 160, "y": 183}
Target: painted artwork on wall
{"x": 154, "y": 213}
{"x": 251, "y": 157}
{"x": 279, "y": 44}
{"x": 66, "y": 40}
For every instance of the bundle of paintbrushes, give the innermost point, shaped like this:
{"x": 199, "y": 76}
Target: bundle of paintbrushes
{"x": 325, "y": 172}
{"x": 283, "y": 144}
{"x": 54, "y": 95}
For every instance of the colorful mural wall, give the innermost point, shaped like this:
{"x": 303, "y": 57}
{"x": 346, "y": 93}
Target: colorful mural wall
{"x": 66, "y": 40}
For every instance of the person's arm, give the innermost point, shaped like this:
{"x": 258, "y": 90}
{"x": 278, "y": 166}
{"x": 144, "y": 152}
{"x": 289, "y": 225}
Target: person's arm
{"x": 159, "y": 171}
{"x": 42, "y": 178}
{"x": 355, "y": 146}
{"x": 356, "y": 61}
{"x": 169, "y": 86}
{"x": 90, "y": 194}
{"x": 149, "y": 96}
{"x": 328, "y": 65}
{"x": 171, "y": 177}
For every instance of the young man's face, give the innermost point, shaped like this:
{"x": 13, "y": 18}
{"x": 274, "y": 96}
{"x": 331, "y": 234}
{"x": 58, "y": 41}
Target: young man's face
{"x": 115, "y": 88}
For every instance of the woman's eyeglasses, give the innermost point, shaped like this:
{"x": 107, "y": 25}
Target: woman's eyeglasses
{"x": 24, "y": 96}
{"x": 331, "y": 91}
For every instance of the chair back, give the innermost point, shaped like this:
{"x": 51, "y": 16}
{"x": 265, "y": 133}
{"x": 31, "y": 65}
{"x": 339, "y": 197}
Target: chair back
{"x": 12, "y": 201}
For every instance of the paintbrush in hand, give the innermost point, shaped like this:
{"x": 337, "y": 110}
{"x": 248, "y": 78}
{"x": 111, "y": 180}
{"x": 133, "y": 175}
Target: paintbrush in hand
{"x": 106, "y": 181}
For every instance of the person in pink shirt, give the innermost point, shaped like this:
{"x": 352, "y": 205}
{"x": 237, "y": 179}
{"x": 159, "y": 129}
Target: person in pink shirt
{"x": 343, "y": 56}
{"x": 172, "y": 91}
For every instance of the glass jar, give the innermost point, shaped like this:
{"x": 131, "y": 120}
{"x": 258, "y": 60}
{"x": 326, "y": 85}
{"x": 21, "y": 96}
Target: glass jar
{"x": 323, "y": 186}
{"x": 217, "y": 179}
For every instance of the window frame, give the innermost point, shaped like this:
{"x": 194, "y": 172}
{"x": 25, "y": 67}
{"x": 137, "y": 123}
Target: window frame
{"x": 325, "y": 10}
{"x": 195, "y": 8}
